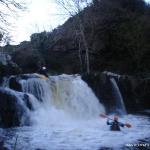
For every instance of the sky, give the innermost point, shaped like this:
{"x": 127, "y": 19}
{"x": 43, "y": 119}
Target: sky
{"x": 41, "y": 15}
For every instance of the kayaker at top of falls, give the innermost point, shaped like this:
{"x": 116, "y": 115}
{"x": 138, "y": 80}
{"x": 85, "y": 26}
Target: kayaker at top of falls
{"x": 43, "y": 71}
{"x": 115, "y": 124}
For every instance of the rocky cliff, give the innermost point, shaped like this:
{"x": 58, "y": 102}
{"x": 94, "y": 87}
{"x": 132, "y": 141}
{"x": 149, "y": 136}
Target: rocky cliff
{"x": 117, "y": 36}
{"x": 135, "y": 91}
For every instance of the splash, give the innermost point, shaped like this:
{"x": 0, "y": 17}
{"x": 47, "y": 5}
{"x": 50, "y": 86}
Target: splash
{"x": 61, "y": 97}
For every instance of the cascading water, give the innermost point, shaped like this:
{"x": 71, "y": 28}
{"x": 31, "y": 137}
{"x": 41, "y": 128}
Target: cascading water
{"x": 120, "y": 107}
{"x": 37, "y": 87}
{"x": 63, "y": 96}
{"x": 76, "y": 97}
{"x": 65, "y": 116}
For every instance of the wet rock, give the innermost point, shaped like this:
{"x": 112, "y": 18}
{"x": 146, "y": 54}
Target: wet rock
{"x": 14, "y": 80}
{"x": 13, "y": 111}
{"x": 27, "y": 101}
{"x": 103, "y": 89}
{"x": 7, "y": 66}
{"x": 14, "y": 84}
{"x": 135, "y": 91}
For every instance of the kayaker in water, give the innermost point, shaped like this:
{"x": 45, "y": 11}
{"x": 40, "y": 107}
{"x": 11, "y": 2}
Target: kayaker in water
{"x": 114, "y": 124}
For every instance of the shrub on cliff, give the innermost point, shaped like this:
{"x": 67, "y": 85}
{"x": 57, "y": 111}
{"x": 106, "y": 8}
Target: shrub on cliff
{"x": 28, "y": 60}
{"x": 117, "y": 35}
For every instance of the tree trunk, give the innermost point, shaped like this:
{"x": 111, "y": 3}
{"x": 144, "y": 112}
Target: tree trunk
{"x": 86, "y": 48}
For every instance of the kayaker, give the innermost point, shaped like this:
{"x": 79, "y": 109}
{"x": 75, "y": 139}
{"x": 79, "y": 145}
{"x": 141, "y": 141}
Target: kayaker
{"x": 114, "y": 124}
{"x": 43, "y": 71}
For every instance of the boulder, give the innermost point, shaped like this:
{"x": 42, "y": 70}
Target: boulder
{"x": 14, "y": 80}
{"x": 13, "y": 111}
{"x": 14, "y": 84}
{"x": 7, "y": 66}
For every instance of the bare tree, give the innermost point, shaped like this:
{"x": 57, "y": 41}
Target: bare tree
{"x": 8, "y": 10}
{"x": 72, "y": 8}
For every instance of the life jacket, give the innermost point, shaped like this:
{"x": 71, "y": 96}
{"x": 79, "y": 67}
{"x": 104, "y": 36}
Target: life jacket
{"x": 115, "y": 126}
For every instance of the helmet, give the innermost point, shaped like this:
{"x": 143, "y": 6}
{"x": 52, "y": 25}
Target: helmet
{"x": 116, "y": 118}
{"x": 44, "y": 68}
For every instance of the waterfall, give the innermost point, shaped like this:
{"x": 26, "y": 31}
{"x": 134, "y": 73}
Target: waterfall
{"x": 64, "y": 96}
{"x": 38, "y": 87}
{"x": 120, "y": 107}
{"x": 73, "y": 95}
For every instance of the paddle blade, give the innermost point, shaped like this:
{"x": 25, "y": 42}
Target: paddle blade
{"x": 103, "y": 115}
{"x": 128, "y": 125}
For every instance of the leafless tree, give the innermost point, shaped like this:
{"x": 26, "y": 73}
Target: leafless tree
{"x": 8, "y": 10}
{"x": 72, "y": 8}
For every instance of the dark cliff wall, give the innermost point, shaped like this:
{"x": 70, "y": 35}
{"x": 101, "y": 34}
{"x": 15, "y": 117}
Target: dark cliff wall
{"x": 135, "y": 92}
{"x": 7, "y": 66}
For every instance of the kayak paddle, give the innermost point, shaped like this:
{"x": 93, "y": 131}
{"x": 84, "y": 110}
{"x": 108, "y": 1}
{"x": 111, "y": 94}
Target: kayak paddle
{"x": 105, "y": 116}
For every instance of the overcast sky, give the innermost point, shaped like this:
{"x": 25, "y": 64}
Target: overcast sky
{"x": 41, "y": 15}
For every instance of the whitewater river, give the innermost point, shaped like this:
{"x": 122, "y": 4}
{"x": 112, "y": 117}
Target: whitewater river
{"x": 76, "y": 134}
{"x": 66, "y": 117}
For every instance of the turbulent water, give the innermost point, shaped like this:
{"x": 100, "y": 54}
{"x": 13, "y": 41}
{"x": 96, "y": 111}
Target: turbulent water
{"x": 67, "y": 134}
{"x": 66, "y": 117}
{"x": 62, "y": 96}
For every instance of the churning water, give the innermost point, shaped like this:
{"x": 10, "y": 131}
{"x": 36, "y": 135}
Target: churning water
{"x": 76, "y": 135}
{"x": 66, "y": 117}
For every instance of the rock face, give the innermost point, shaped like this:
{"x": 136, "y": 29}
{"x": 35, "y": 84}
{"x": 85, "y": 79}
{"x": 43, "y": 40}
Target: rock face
{"x": 104, "y": 90}
{"x": 13, "y": 111}
{"x": 14, "y": 84}
{"x": 7, "y": 66}
{"x": 135, "y": 92}
{"x": 15, "y": 105}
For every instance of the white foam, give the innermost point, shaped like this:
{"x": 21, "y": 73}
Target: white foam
{"x": 81, "y": 134}
{"x": 67, "y": 119}
{"x": 62, "y": 96}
